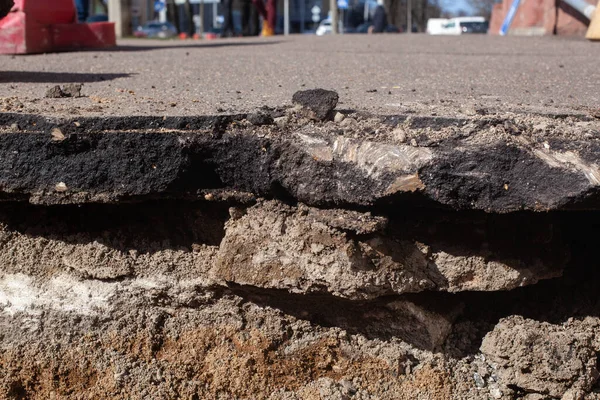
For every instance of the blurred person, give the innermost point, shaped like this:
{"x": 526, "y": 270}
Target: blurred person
{"x": 83, "y": 10}
{"x": 268, "y": 14}
{"x": 379, "y": 18}
{"x": 250, "y": 22}
{"x": 228, "y": 27}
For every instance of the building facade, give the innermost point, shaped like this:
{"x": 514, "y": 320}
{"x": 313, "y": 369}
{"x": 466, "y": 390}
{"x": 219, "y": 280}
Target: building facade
{"x": 540, "y": 17}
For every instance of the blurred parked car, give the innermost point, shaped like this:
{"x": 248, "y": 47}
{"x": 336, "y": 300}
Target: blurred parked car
{"x": 474, "y": 27}
{"x": 155, "y": 29}
{"x": 457, "y": 26}
{"x": 435, "y": 26}
{"x": 325, "y": 27}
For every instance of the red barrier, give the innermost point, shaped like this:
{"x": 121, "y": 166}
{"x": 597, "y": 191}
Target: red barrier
{"x": 42, "y": 26}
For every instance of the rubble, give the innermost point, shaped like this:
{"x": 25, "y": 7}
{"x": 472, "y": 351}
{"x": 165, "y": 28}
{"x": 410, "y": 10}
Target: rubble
{"x": 55, "y": 92}
{"x": 318, "y": 102}
{"x": 69, "y": 90}
{"x": 72, "y": 89}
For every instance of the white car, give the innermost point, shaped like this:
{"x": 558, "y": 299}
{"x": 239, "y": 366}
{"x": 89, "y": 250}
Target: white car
{"x": 435, "y": 26}
{"x": 325, "y": 27}
{"x": 457, "y": 26}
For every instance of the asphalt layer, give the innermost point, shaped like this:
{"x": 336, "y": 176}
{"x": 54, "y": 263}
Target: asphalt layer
{"x": 385, "y": 74}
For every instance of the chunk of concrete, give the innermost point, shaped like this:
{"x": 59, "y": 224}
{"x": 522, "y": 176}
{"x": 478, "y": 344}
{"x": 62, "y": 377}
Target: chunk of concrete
{"x": 279, "y": 247}
{"x": 350, "y": 255}
{"x": 318, "y": 102}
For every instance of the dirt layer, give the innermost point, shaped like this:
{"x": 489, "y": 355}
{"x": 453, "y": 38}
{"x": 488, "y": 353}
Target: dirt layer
{"x": 124, "y": 301}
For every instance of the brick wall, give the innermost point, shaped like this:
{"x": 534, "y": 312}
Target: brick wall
{"x": 540, "y": 17}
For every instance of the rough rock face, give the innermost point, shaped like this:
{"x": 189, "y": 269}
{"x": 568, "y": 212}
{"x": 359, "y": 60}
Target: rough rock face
{"x": 559, "y": 361}
{"x": 227, "y": 258}
{"x": 280, "y": 247}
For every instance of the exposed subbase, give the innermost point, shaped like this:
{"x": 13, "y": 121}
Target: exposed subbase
{"x": 297, "y": 254}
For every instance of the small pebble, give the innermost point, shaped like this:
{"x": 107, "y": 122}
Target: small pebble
{"x": 399, "y": 135}
{"x": 339, "y": 117}
{"x": 348, "y": 122}
{"x": 348, "y": 386}
{"x": 281, "y": 121}
{"x": 61, "y": 187}
{"x": 57, "y": 135}
{"x": 479, "y": 382}
{"x": 495, "y": 392}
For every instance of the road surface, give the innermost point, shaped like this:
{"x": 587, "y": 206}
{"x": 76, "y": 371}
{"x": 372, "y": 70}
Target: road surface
{"x": 386, "y": 74}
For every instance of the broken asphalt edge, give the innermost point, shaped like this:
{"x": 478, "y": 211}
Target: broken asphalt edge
{"x": 110, "y": 159}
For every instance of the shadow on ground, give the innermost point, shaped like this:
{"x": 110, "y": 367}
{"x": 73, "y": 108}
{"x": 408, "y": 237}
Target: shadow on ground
{"x": 188, "y": 45}
{"x": 57, "y": 77}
